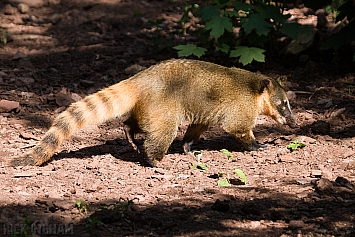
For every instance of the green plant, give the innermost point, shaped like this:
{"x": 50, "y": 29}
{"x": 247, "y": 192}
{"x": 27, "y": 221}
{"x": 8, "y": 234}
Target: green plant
{"x": 227, "y": 181}
{"x": 294, "y": 145}
{"x": 199, "y": 164}
{"x": 258, "y": 24}
{"x": 93, "y": 222}
{"x": 81, "y": 206}
{"x": 157, "y": 27}
{"x": 25, "y": 230}
{"x": 3, "y": 35}
{"x": 122, "y": 207}
{"x": 351, "y": 89}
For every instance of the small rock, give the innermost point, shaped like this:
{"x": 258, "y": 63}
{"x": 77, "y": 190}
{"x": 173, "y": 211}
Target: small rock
{"x": 27, "y": 136}
{"x": 63, "y": 204}
{"x": 295, "y": 224}
{"x": 307, "y": 140}
{"x": 26, "y": 80}
{"x": 55, "y": 19}
{"x": 316, "y": 173}
{"x": 19, "y": 55}
{"x": 86, "y": 83}
{"x": 25, "y": 63}
{"x": 324, "y": 184}
{"x": 133, "y": 69}
{"x": 303, "y": 181}
{"x": 63, "y": 99}
{"x": 324, "y": 101}
{"x": 221, "y": 206}
{"x": 291, "y": 95}
{"x": 23, "y": 8}
{"x": 287, "y": 158}
{"x": 7, "y": 105}
{"x": 33, "y": 3}
{"x": 75, "y": 97}
{"x": 21, "y": 175}
{"x": 9, "y": 10}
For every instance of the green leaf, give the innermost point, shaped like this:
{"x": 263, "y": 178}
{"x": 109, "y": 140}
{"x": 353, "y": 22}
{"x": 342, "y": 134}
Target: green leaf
{"x": 225, "y": 151}
{"x": 199, "y": 166}
{"x": 208, "y": 13}
{"x": 238, "y": 5}
{"x": 198, "y": 155}
{"x": 293, "y": 146}
{"x": 257, "y": 23}
{"x": 202, "y": 166}
{"x": 218, "y": 25}
{"x": 231, "y": 14}
{"x": 223, "y": 48}
{"x": 223, "y": 183}
{"x": 294, "y": 29}
{"x": 247, "y": 55}
{"x": 241, "y": 175}
{"x": 190, "y": 49}
{"x": 271, "y": 12}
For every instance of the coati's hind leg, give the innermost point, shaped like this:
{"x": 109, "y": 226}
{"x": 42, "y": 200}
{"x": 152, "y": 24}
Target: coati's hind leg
{"x": 130, "y": 128}
{"x": 192, "y": 134}
{"x": 159, "y": 137}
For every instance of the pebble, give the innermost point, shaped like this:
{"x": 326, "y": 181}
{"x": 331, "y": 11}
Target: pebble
{"x": 287, "y": 158}
{"x": 324, "y": 184}
{"x": 295, "y": 224}
{"x": 23, "y": 8}
{"x": 19, "y": 55}
{"x": 9, "y": 10}
{"x": 8, "y": 106}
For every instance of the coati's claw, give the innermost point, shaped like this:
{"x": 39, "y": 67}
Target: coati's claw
{"x": 151, "y": 162}
{"x": 24, "y": 160}
{"x": 256, "y": 145}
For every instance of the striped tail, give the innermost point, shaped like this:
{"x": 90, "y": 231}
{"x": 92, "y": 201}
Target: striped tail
{"x": 97, "y": 108}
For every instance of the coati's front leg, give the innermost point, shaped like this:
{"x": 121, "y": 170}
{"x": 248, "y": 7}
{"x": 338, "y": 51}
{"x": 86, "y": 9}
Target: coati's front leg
{"x": 246, "y": 137}
{"x": 192, "y": 134}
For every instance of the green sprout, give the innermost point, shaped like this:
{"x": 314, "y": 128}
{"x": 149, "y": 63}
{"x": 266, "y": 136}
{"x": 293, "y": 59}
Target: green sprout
{"x": 294, "y": 145}
{"x": 199, "y": 164}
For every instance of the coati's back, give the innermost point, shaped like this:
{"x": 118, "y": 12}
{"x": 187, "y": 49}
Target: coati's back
{"x": 200, "y": 89}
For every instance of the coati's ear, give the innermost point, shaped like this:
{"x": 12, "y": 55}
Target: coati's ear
{"x": 264, "y": 83}
{"x": 281, "y": 80}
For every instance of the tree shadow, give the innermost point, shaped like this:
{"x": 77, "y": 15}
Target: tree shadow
{"x": 266, "y": 213}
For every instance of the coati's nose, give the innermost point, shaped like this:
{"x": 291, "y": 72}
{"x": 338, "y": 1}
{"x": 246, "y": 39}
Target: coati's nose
{"x": 291, "y": 122}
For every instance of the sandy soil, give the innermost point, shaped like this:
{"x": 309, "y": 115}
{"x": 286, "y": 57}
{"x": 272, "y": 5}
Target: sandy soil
{"x": 59, "y": 53}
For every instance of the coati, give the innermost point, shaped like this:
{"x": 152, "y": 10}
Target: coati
{"x": 159, "y": 98}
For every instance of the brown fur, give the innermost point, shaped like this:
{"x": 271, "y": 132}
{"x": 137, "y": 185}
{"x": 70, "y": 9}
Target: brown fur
{"x": 159, "y": 98}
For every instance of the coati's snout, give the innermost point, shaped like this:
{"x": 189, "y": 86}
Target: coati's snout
{"x": 285, "y": 115}
{"x": 279, "y": 106}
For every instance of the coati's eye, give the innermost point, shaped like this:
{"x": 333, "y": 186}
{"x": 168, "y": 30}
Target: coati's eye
{"x": 278, "y": 102}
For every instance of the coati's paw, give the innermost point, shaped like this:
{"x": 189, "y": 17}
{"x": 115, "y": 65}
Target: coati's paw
{"x": 151, "y": 162}
{"x": 26, "y": 159}
{"x": 255, "y": 146}
{"x": 187, "y": 147}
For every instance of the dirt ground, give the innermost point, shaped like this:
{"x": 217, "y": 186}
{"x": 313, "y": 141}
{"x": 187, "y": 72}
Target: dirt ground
{"x": 97, "y": 185}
